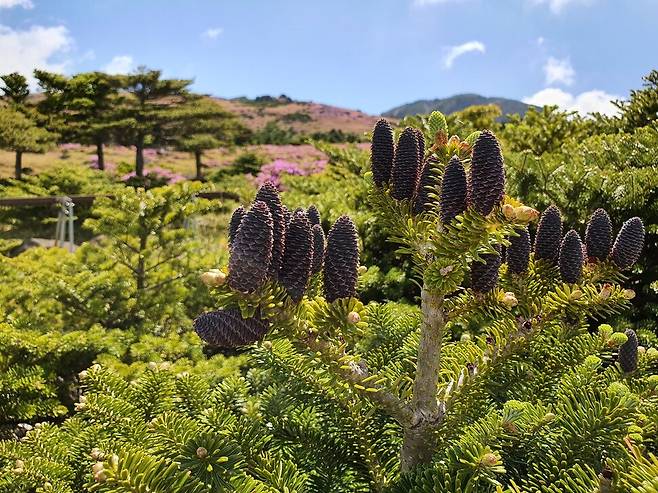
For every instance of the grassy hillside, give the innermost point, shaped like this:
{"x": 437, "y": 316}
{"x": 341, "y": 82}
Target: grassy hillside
{"x": 455, "y": 103}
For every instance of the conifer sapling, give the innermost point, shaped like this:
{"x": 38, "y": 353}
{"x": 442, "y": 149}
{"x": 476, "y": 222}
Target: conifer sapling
{"x": 549, "y": 235}
{"x": 341, "y": 260}
{"x": 251, "y": 253}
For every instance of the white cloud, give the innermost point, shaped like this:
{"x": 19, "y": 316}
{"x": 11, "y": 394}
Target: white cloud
{"x": 7, "y": 4}
{"x": 213, "y": 32}
{"x": 454, "y": 52}
{"x": 557, "y": 6}
{"x": 584, "y": 103}
{"x": 559, "y": 71}
{"x": 121, "y": 64}
{"x": 37, "y": 47}
{"x": 540, "y": 40}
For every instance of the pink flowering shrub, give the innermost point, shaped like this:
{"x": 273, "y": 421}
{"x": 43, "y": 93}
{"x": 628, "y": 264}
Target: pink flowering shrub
{"x": 276, "y": 169}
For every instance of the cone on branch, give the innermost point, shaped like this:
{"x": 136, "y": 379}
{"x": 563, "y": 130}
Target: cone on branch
{"x": 298, "y": 257}
{"x": 382, "y": 152}
{"x": 227, "y": 329}
{"x": 313, "y": 215}
{"x": 487, "y": 173}
{"x": 269, "y": 194}
{"x": 628, "y": 352}
{"x": 484, "y": 275}
{"x": 421, "y": 145}
{"x": 426, "y": 182}
{"x": 454, "y": 190}
{"x": 404, "y": 174}
{"x": 341, "y": 260}
{"x": 571, "y": 257}
{"x": 549, "y": 235}
{"x": 251, "y": 253}
{"x": 518, "y": 252}
{"x": 628, "y": 244}
{"x": 318, "y": 249}
{"x": 598, "y": 235}
{"x": 234, "y": 224}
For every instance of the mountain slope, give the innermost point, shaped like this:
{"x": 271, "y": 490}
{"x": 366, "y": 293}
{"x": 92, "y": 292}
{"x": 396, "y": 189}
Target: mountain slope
{"x": 455, "y": 103}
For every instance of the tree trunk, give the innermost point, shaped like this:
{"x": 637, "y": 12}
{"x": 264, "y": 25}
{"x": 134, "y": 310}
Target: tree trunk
{"x": 19, "y": 165}
{"x": 199, "y": 165}
{"x": 419, "y": 442}
{"x": 139, "y": 156}
{"x": 100, "y": 153}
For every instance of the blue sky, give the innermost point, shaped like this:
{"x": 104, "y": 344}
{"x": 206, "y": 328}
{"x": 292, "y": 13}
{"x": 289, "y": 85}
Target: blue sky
{"x": 363, "y": 54}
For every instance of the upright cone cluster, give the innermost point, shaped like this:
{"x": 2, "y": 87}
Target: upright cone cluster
{"x": 628, "y": 352}
{"x": 341, "y": 260}
{"x": 454, "y": 190}
{"x": 406, "y": 164}
{"x": 313, "y": 215}
{"x": 421, "y": 146}
{"x": 269, "y": 194}
{"x": 227, "y": 329}
{"x": 598, "y": 235}
{"x": 571, "y": 257}
{"x": 518, "y": 252}
{"x": 628, "y": 244}
{"x": 549, "y": 235}
{"x": 484, "y": 276}
{"x": 298, "y": 257}
{"x": 383, "y": 150}
{"x": 487, "y": 173}
{"x": 234, "y": 224}
{"x": 251, "y": 252}
{"x": 318, "y": 249}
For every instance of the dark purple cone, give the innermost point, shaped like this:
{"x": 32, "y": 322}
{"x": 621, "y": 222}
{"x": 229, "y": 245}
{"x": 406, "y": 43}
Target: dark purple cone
{"x": 227, "y": 329}
{"x": 406, "y": 166}
{"x": 484, "y": 276}
{"x": 382, "y": 152}
{"x": 251, "y": 252}
{"x": 571, "y": 257}
{"x": 341, "y": 260}
{"x": 487, "y": 173}
{"x": 313, "y": 215}
{"x": 628, "y": 352}
{"x": 234, "y": 224}
{"x": 426, "y": 183}
{"x": 518, "y": 252}
{"x": 318, "y": 249}
{"x": 628, "y": 245}
{"x": 269, "y": 194}
{"x": 298, "y": 257}
{"x": 598, "y": 235}
{"x": 454, "y": 190}
{"x": 549, "y": 235}
{"x": 421, "y": 145}
{"x": 287, "y": 215}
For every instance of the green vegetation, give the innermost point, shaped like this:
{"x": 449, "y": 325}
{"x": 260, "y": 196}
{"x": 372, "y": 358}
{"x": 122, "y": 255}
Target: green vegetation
{"x": 412, "y": 321}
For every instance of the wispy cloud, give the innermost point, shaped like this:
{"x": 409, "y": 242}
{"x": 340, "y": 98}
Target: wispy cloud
{"x": 8, "y": 4}
{"x": 559, "y": 71}
{"x": 557, "y": 6}
{"x": 584, "y": 103}
{"x": 212, "y": 33}
{"x": 454, "y": 52}
{"x": 36, "y": 47}
{"x": 120, "y": 64}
